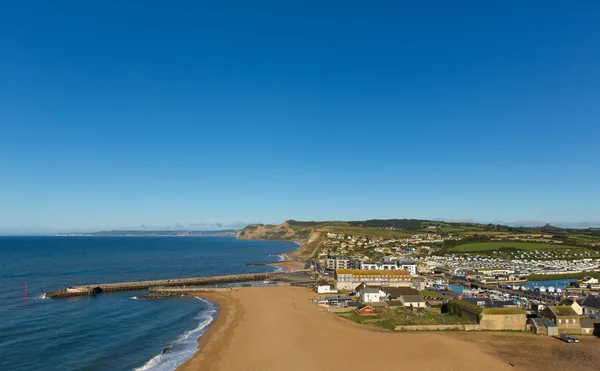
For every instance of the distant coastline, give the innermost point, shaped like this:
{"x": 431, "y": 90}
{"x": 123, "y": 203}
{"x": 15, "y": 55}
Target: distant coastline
{"x": 134, "y": 233}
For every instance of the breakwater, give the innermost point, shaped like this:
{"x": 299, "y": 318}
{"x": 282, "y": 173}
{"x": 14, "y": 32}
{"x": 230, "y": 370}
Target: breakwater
{"x": 85, "y": 290}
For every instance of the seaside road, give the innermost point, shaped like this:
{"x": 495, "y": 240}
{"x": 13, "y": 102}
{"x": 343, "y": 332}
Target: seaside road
{"x": 277, "y": 328}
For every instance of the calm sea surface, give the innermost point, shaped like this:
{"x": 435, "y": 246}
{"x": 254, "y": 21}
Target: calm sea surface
{"x": 110, "y": 331}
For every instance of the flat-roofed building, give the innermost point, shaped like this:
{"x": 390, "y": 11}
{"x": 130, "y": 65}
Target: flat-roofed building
{"x": 349, "y": 279}
{"x": 339, "y": 262}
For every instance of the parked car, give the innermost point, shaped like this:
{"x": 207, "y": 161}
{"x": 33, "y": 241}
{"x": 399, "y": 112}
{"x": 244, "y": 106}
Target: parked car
{"x": 568, "y": 339}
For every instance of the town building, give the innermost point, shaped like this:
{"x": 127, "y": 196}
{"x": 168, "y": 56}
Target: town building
{"x": 564, "y": 317}
{"x": 590, "y": 305}
{"x": 370, "y": 294}
{"x": 490, "y": 318}
{"x": 349, "y": 279}
{"x": 405, "y": 296}
{"x": 543, "y": 326}
{"x": 589, "y": 326}
{"x": 323, "y": 287}
{"x": 339, "y": 262}
{"x": 573, "y": 303}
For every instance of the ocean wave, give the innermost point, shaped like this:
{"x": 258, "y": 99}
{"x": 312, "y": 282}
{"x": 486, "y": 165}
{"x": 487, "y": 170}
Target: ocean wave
{"x": 134, "y": 298}
{"x": 184, "y": 347}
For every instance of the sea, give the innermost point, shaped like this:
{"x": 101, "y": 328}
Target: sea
{"x": 111, "y": 331}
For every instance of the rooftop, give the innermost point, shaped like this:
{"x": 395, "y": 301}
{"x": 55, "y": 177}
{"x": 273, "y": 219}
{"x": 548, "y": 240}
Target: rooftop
{"x": 547, "y": 322}
{"x": 591, "y": 301}
{"x": 562, "y": 311}
{"x": 503, "y": 311}
{"x": 370, "y": 272}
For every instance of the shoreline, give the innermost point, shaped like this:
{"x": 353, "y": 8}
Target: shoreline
{"x": 213, "y": 342}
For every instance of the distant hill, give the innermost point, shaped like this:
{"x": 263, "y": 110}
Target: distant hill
{"x": 227, "y": 232}
{"x": 311, "y": 233}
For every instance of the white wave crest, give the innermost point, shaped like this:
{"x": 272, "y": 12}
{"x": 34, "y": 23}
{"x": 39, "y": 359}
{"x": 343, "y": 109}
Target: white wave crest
{"x": 185, "y": 345}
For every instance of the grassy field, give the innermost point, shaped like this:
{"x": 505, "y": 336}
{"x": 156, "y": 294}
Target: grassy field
{"x": 367, "y": 231}
{"x": 389, "y": 318}
{"x": 523, "y": 246}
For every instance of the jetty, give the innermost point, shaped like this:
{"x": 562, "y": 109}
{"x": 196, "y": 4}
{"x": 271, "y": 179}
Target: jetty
{"x": 86, "y": 290}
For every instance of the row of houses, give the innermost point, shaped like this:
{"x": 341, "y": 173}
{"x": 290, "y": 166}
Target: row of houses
{"x": 571, "y": 316}
{"x": 334, "y": 262}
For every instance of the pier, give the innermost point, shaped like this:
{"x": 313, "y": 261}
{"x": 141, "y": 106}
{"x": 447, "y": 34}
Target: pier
{"x": 85, "y": 290}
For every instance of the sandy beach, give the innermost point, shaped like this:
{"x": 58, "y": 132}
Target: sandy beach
{"x": 289, "y": 263}
{"x": 278, "y": 328}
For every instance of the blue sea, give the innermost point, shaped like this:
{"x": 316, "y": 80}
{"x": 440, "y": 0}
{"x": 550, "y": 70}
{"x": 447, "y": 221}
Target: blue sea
{"x": 111, "y": 331}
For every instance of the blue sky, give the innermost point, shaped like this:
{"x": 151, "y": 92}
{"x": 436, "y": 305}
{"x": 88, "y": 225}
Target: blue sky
{"x": 201, "y": 115}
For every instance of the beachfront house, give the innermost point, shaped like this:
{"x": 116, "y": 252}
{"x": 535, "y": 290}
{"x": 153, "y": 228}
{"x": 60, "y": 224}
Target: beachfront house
{"x": 370, "y": 294}
{"x": 591, "y": 305}
{"x": 564, "y": 317}
{"x": 323, "y": 287}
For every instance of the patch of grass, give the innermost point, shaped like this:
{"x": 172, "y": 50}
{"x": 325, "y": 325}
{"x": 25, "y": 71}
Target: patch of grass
{"x": 407, "y": 317}
{"x": 431, "y": 294}
{"x": 525, "y": 246}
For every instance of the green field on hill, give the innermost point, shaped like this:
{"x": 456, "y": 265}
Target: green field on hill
{"x": 523, "y": 246}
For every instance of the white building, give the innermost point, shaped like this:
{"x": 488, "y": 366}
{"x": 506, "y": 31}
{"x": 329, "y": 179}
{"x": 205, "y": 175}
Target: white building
{"x": 369, "y": 294}
{"x": 323, "y": 287}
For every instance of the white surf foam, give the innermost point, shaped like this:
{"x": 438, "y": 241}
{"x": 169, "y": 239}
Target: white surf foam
{"x": 134, "y": 298}
{"x": 182, "y": 348}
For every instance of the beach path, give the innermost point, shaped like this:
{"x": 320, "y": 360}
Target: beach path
{"x": 278, "y": 328}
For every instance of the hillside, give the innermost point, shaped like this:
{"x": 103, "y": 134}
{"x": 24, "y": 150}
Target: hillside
{"x": 311, "y": 233}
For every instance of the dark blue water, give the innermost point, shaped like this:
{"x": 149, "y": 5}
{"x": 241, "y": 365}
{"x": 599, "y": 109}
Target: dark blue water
{"x": 110, "y": 331}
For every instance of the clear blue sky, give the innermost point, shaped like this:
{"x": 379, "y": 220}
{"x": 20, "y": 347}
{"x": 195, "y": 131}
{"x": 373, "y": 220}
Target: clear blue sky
{"x": 123, "y": 114}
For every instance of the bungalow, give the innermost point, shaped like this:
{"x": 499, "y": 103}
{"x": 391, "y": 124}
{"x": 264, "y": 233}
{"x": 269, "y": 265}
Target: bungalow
{"x": 394, "y": 293}
{"x": 414, "y": 301}
{"x": 369, "y": 294}
{"x": 365, "y": 310}
{"x": 573, "y": 303}
{"x": 591, "y": 305}
{"x": 406, "y": 296}
{"x": 564, "y": 317}
{"x": 323, "y": 287}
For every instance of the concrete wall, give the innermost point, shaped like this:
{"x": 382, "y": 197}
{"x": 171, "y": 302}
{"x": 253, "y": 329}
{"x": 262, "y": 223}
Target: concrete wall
{"x": 516, "y": 322}
{"x": 470, "y": 316}
{"x": 438, "y": 328}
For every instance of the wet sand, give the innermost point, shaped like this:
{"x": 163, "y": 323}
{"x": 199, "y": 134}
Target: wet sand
{"x": 277, "y": 328}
